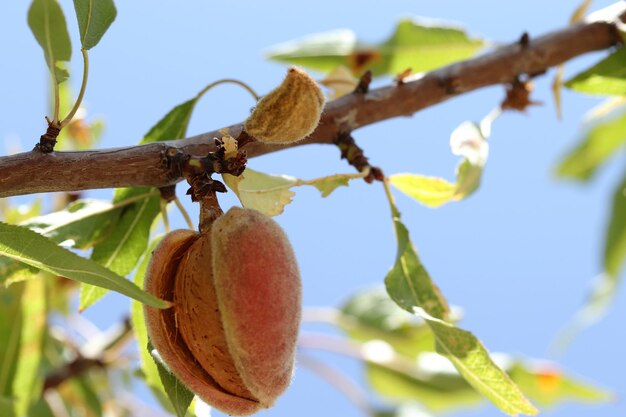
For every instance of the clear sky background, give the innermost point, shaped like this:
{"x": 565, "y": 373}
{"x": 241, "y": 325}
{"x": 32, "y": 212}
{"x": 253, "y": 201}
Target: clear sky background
{"x": 518, "y": 256}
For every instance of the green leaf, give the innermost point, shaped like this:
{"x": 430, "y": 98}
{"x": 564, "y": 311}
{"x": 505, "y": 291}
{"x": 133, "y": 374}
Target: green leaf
{"x": 467, "y": 179}
{"x": 615, "y": 244}
{"x": 372, "y": 315}
{"x": 47, "y": 22}
{"x": 548, "y": 386}
{"x": 437, "y": 392}
{"x": 12, "y": 271}
{"x": 27, "y": 382}
{"x": 121, "y": 250}
{"x": 178, "y": 393}
{"x": 31, "y": 248}
{"x": 408, "y": 283}
{"x": 10, "y": 329}
{"x": 607, "y": 77}
{"x": 94, "y": 18}
{"x": 39, "y": 408}
{"x": 405, "y": 409}
{"x": 21, "y": 213}
{"x": 599, "y": 143}
{"x": 173, "y": 125}
{"x": 412, "y": 45}
{"x": 326, "y": 185}
{"x": 79, "y": 225}
{"x": 473, "y": 362}
{"x": 598, "y": 301}
{"x": 85, "y": 392}
{"x": 410, "y": 286}
{"x": 6, "y": 407}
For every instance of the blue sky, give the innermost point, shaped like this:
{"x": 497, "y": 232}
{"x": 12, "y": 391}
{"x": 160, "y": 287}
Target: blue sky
{"x": 518, "y": 256}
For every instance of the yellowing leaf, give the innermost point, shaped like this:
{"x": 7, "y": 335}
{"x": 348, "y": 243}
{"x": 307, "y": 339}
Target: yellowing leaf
{"x": 271, "y": 193}
{"x": 430, "y": 191}
{"x": 268, "y": 194}
{"x": 340, "y": 81}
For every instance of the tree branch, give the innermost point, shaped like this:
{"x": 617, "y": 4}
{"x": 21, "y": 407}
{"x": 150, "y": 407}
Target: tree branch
{"x": 34, "y": 172}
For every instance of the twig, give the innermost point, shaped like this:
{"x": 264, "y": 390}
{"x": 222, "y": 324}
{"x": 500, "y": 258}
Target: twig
{"x": 142, "y": 165}
{"x": 97, "y": 353}
{"x": 338, "y": 380}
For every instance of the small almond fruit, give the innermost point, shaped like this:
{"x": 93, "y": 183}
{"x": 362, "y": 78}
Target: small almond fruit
{"x": 288, "y": 113}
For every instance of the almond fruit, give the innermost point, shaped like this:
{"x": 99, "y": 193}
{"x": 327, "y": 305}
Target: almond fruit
{"x": 230, "y": 336}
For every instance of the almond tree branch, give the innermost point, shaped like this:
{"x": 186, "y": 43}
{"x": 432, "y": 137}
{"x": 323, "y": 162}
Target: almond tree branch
{"x": 34, "y": 172}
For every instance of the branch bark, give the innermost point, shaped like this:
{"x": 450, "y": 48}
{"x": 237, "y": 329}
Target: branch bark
{"x": 34, "y": 172}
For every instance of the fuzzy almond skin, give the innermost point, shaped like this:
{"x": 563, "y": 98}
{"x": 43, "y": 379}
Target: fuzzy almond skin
{"x": 288, "y": 113}
{"x": 259, "y": 295}
{"x": 200, "y": 318}
{"x": 163, "y": 328}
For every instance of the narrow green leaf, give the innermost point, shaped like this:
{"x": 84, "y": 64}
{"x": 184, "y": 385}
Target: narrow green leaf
{"x": 47, "y": 22}
{"x": 473, "y": 362}
{"x": 27, "y": 381}
{"x": 615, "y": 244}
{"x": 410, "y": 286}
{"x": 10, "y": 328}
{"x": 408, "y": 283}
{"x": 598, "y": 301}
{"x": 33, "y": 249}
{"x": 84, "y": 392}
{"x": 173, "y": 125}
{"x": 6, "y": 407}
{"x": 178, "y": 393}
{"x": 599, "y": 143}
{"x": 468, "y": 178}
{"x": 437, "y": 392}
{"x": 40, "y": 409}
{"x": 372, "y": 315}
{"x": 607, "y": 77}
{"x": 121, "y": 250}
{"x": 412, "y": 45}
{"x": 12, "y": 271}
{"x": 94, "y": 18}
{"x": 79, "y": 225}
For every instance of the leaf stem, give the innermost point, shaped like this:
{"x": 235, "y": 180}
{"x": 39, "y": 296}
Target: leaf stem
{"x": 338, "y": 380}
{"x": 55, "y": 116}
{"x": 229, "y": 81}
{"x": 166, "y": 221}
{"x": 395, "y": 214}
{"x": 134, "y": 199}
{"x": 81, "y": 93}
{"x": 375, "y": 352}
{"x": 184, "y": 213}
